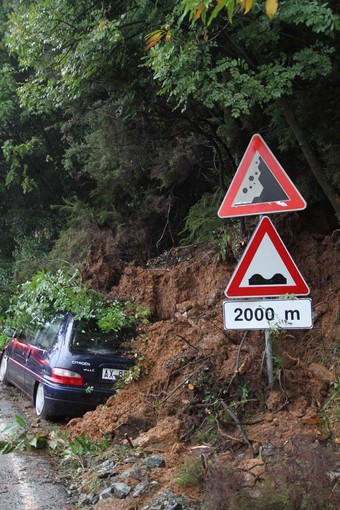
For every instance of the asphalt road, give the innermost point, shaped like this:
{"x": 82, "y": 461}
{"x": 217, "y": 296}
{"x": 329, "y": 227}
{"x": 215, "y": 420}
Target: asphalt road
{"x": 26, "y": 479}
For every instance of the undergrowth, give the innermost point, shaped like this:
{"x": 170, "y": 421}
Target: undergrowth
{"x": 203, "y": 226}
{"x": 74, "y": 452}
{"x": 299, "y": 479}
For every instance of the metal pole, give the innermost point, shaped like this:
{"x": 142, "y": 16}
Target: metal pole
{"x": 269, "y": 358}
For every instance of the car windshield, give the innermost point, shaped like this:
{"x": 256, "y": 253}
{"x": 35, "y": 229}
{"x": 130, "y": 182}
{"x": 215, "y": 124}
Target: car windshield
{"x": 87, "y": 337}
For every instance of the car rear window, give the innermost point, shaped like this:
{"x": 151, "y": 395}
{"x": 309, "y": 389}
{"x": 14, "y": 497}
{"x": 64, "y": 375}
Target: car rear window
{"x": 87, "y": 337}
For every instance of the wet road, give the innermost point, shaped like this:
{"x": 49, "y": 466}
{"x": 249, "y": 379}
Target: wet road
{"x": 26, "y": 479}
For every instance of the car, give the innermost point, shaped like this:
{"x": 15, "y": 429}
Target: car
{"x": 67, "y": 367}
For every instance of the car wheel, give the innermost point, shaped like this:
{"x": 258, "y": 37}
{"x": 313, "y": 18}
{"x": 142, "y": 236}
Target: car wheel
{"x": 41, "y": 409}
{"x": 3, "y": 369}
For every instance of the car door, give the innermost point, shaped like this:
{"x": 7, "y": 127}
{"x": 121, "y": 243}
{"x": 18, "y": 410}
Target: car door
{"x": 39, "y": 355}
{"x": 20, "y": 350}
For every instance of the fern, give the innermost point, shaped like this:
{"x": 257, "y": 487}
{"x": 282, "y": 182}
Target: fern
{"x": 202, "y": 223}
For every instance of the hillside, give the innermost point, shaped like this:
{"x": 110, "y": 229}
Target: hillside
{"x": 203, "y": 391}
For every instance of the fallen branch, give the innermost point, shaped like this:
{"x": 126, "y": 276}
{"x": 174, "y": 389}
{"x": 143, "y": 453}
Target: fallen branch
{"x": 198, "y": 360}
{"x": 128, "y": 438}
{"x": 238, "y": 368}
{"x": 186, "y": 341}
{"x": 239, "y": 426}
{"x": 179, "y": 386}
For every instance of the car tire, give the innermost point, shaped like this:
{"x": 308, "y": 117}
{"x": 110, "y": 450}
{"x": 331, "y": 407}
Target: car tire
{"x": 3, "y": 369}
{"x": 41, "y": 409}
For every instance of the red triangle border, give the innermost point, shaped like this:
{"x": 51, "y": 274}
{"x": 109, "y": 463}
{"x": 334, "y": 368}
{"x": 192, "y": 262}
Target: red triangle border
{"x": 295, "y": 201}
{"x": 234, "y": 290}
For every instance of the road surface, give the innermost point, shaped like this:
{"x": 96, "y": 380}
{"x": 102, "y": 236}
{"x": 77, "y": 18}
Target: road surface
{"x": 26, "y": 479}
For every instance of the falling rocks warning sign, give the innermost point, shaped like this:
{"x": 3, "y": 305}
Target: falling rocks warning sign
{"x": 260, "y": 185}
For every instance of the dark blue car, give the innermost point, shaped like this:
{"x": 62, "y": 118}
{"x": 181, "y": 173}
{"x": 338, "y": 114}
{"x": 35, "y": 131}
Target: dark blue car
{"x": 67, "y": 368}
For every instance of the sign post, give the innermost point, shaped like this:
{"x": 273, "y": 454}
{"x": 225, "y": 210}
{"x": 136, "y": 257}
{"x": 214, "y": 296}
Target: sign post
{"x": 269, "y": 357}
{"x": 266, "y": 269}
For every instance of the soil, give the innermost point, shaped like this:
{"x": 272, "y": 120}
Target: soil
{"x": 203, "y": 391}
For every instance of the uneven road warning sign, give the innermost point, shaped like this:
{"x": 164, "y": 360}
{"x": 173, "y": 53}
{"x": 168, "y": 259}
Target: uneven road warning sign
{"x": 260, "y": 185}
{"x": 266, "y": 267}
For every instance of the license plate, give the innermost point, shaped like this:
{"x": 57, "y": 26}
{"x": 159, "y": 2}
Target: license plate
{"x": 111, "y": 374}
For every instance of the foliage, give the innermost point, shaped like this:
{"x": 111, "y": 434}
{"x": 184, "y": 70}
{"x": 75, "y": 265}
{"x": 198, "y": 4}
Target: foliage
{"x": 118, "y": 315}
{"x": 187, "y": 69}
{"x": 330, "y": 410}
{"x": 198, "y": 10}
{"x": 18, "y": 437}
{"x": 4, "y": 339}
{"x": 74, "y": 452}
{"x": 191, "y": 473}
{"x": 131, "y": 374}
{"x": 46, "y": 294}
{"x": 291, "y": 481}
{"x": 202, "y": 224}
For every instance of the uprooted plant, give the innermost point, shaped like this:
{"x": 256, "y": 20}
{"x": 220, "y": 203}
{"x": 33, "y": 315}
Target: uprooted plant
{"x": 46, "y": 294}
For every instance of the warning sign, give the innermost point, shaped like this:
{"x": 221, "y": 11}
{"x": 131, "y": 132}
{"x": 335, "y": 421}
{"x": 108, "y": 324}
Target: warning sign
{"x": 260, "y": 185}
{"x": 266, "y": 268}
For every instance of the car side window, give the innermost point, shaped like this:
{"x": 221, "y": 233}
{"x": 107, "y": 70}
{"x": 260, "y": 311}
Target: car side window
{"x": 28, "y": 335}
{"x": 46, "y": 337}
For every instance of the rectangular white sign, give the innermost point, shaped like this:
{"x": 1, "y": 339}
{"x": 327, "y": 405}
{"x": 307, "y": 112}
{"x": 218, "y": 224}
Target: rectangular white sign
{"x": 268, "y": 314}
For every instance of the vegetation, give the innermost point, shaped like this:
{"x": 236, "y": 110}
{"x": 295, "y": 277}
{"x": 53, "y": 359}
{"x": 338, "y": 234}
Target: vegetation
{"x": 122, "y": 125}
{"x": 47, "y": 294}
{"x": 129, "y": 119}
{"x": 287, "y": 485}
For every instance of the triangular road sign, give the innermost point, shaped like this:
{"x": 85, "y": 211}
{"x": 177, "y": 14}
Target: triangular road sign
{"x": 260, "y": 185}
{"x": 266, "y": 268}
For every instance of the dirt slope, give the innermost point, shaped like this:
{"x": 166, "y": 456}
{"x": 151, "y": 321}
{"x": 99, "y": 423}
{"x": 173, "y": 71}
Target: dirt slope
{"x": 190, "y": 364}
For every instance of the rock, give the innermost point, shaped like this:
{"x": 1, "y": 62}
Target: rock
{"x": 106, "y": 493}
{"x": 167, "y": 500}
{"x": 266, "y": 451}
{"x": 120, "y": 490}
{"x": 140, "y": 488}
{"x": 162, "y": 437}
{"x": 154, "y": 461}
{"x": 84, "y": 499}
{"x": 136, "y": 473}
{"x": 106, "y": 469}
{"x": 333, "y": 475}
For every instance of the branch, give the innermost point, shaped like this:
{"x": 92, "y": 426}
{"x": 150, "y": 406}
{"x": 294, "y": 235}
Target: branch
{"x": 179, "y": 386}
{"x": 186, "y": 341}
{"x": 239, "y": 426}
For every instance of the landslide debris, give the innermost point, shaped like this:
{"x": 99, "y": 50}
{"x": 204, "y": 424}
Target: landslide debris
{"x": 203, "y": 394}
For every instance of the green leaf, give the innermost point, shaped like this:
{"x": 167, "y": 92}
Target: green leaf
{"x": 20, "y": 421}
{"x": 9, "y": 429}
{"x": 229, "y": 4}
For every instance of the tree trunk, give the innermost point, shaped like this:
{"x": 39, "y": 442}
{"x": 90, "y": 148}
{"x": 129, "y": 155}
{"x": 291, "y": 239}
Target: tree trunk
{"x": 311, "y": 159}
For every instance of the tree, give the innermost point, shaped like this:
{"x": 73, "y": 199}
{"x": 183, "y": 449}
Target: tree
{"x": 120, "y": 117}
{"x": 254, "y": 64}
